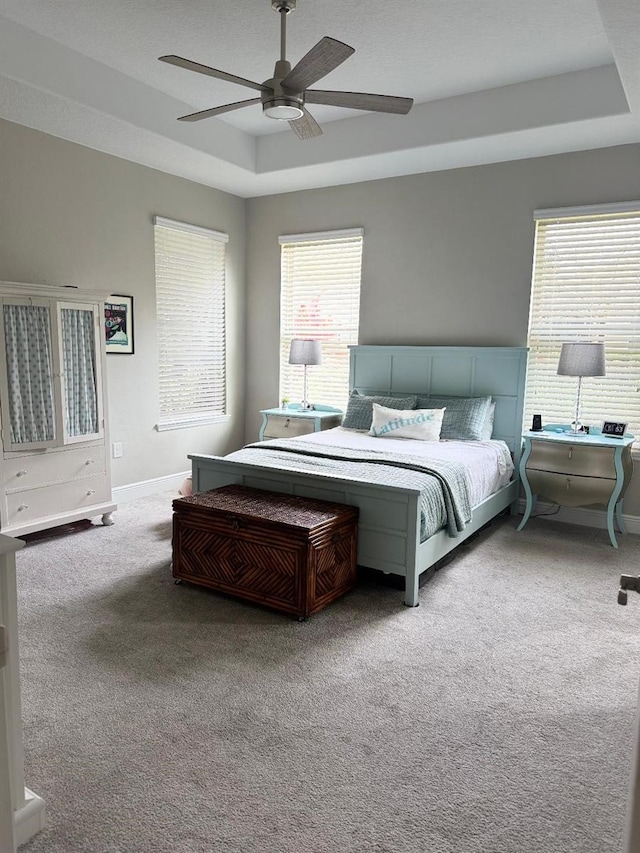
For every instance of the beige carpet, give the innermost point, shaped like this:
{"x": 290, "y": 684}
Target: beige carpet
{"x": 495, "y": 718}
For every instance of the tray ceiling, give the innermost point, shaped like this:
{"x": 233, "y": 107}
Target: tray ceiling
{"x": 491, "y": 81}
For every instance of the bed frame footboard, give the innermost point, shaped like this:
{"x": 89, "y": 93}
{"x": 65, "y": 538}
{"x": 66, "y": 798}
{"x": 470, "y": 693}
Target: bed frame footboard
{"x": 389, "y": 521}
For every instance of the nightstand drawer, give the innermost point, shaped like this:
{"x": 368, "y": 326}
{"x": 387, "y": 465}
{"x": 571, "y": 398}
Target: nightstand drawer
{"x": 568, "y": 490}
{"x": 585, "y": 460}
{"x": 289, "y": 423}
{"x": 283, "y": 426}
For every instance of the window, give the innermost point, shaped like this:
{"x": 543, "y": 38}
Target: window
{"x": 586, "y": 287}
{"x": 320, "y": 300}
{"x": 190, "y": 299}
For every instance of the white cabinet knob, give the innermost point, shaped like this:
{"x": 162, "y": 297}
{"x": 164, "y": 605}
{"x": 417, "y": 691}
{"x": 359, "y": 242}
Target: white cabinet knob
{"x": 23, "y": 506}
{"x": 89, "y": 461}
{"x": 91, "y": 492}
{"x": 21, "y": 473}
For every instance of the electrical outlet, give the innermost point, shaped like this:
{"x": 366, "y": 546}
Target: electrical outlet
{"x": 117, "y": 450}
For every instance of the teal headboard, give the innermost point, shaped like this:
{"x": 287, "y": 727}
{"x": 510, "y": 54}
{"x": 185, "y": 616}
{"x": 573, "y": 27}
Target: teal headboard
{"x": 452, "y": 371}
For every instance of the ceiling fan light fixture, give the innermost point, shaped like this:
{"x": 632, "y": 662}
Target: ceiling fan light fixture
{"x": 282, "y": 109}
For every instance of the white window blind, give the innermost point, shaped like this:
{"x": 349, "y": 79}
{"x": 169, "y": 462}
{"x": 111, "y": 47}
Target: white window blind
{"x": 190, "y": 299}
{"x": 320, "y": 300}
{"x": 586, "y": 287}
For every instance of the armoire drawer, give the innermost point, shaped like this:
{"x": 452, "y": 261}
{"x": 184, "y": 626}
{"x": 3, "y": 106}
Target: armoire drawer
{"x": 40, "y": 469}
{"x": 54, "y": 500}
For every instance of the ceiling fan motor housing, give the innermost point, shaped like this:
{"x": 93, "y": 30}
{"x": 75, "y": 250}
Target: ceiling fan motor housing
{"x": 278, "y": 103}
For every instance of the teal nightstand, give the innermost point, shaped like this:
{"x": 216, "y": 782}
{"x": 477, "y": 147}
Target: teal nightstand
{"x": 294, "y": 421}
{"x": 576, "y": 470}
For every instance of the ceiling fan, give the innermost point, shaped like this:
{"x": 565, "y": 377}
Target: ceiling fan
{"x": 285, "y": 95}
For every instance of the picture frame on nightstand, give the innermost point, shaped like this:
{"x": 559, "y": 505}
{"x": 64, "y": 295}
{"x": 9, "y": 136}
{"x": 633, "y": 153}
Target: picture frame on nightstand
{"x": 614, "y": 429}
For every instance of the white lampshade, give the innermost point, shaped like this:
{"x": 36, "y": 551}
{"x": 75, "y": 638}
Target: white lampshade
{"x": 305, "y": 352}
{"x": 581, "y": 359}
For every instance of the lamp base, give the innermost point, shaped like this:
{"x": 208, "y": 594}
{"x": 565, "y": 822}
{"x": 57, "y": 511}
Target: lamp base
{"x": 306, "y": 407}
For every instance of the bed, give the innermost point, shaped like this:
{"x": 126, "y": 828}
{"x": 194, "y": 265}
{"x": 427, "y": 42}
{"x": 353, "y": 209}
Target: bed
{"x": 391, "y": 523}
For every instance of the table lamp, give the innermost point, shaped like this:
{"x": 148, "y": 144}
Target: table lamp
{"x": 305, "y": 352}
{"x": 581, "y": 359}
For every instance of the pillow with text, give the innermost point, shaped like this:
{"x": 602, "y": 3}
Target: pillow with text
{"x": 424, "y": 424}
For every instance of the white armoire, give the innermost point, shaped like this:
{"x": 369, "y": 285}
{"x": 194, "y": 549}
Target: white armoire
{"x": 53, "y": 408}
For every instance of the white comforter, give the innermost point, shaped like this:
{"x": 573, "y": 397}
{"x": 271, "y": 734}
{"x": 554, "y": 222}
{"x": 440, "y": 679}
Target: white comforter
{"x": 488, "y": 464}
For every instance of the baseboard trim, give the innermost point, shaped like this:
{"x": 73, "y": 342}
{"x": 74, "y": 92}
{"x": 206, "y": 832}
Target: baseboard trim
{"x": 29, "y": 818}
{"x": 581, "y": 515}
{"x": 133, "y": 491}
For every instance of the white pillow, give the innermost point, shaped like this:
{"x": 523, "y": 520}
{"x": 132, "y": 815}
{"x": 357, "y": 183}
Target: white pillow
{"x": 487, "y": 427}
{"x": 424, "y": 424}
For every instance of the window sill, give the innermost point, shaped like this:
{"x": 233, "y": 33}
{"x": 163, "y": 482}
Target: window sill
{"x": 188, "y": 423}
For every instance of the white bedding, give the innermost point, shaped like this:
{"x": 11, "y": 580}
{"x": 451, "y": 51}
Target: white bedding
{"x": 488, "y": 464}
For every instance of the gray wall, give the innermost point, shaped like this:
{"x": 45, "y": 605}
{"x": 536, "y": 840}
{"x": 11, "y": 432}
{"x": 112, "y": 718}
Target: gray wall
{"x": 447, "y": 255}
{"x": 71, "y": 215}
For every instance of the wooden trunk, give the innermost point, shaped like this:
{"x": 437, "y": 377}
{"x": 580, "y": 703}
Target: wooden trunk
{"x": 290, "y": 553}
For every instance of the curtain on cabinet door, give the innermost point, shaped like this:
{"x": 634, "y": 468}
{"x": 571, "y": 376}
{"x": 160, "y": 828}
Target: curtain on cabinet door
{"x": 29, "y": 373}
{"x": 79, "y": 354}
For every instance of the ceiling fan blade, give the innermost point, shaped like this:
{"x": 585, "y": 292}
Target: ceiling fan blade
{"x": 211, "y": 72}
{"x": 323, "y": 57}
{"x": 216, "y": 111}
{"x": 306, "y": 127}
{"x": 360, "y": 101}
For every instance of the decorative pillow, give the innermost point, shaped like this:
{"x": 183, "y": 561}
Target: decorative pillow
{"x": 465, "y": 417}
{"x": 360, "y": 412}
{"x": 413, "y": 423}
{"x": 487, "y": 429}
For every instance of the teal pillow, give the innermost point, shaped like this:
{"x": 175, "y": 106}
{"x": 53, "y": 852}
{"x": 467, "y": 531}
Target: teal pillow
{"x": 464, "y": 418}
{"x": 359, "y": 413}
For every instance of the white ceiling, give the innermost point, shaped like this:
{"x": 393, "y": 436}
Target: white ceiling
{"x": 493, "y": 80}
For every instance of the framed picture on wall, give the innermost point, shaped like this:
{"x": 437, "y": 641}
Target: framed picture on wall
{"x": 118, "y": 324}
